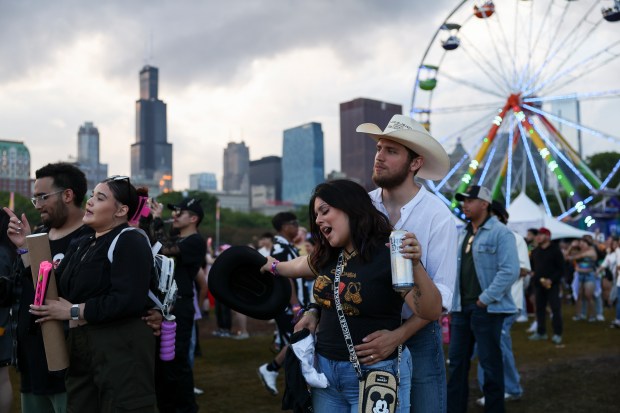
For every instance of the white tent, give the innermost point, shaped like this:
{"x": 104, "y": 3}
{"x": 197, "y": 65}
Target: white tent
{"x": 524, "y": 214}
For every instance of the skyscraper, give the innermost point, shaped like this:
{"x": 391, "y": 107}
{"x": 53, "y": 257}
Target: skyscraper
{"x": 266, "y": 181}
{"x": 151, "y": 155}
{"x": 236, "y": 168}
{"x": 357, "y": 151}
{"x": 88, "y": 155}
{"x": 303, "y": 165}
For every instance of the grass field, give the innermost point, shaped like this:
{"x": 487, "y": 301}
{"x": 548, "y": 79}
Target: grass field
{"x": 582, "y": 375}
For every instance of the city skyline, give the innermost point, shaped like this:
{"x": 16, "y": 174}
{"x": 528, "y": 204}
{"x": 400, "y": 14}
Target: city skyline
{"x": 283, "y": 65}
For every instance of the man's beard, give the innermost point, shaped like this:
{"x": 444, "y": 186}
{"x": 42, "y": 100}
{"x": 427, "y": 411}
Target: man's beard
{"x": 392, "y": 181}
{"x": 58, "y": 218}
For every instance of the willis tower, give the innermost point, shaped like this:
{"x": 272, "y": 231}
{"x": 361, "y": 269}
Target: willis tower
{"x": 151, "y": 155}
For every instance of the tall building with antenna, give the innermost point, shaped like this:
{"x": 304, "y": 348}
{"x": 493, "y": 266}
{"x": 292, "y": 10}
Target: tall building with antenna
{"x": 151, "y": 154}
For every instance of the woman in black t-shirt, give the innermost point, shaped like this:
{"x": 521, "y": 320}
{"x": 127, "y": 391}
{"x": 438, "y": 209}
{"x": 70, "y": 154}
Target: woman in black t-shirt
{"x": 347, "y": 227}
{"x": 111, "y": 350}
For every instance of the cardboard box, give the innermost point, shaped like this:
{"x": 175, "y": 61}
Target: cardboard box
{"x": 53, "y": 331}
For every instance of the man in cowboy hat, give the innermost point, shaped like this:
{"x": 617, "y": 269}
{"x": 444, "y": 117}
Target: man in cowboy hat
{"x": 405, "y": 150}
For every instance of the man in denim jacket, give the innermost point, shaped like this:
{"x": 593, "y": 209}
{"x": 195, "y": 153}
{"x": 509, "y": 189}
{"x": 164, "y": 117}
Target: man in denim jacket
{"x": 488, "y": 265}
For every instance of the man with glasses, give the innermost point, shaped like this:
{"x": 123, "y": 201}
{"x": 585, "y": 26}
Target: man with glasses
{"x": 175, "y": 380}
{"x": 286, "y": 225}
{"x": 487, "y": 268}
{"x": 59, "y": 191}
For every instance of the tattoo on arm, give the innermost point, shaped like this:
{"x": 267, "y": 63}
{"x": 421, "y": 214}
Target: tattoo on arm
{"x": 416, "y": 297}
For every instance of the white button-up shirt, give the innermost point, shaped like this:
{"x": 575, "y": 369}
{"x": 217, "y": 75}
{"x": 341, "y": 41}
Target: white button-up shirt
{"x": 430, "y": 220}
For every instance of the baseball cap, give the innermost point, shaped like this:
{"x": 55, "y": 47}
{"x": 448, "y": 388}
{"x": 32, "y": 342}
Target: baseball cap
{"x": 189, "y": 204}
{"x": 475, "y": 192}
{"x": 545, "y": 231}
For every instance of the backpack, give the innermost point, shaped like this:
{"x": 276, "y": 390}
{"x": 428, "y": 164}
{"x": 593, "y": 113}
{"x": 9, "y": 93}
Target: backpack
{"x": 163, "y": 289}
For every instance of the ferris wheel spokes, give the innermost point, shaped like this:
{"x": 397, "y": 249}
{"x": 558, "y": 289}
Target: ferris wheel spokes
{"x": 533, "y": 167}
{"x": 488, "y": 162}
{"x": 560, "y": 155}
{"x": 482, "y": 59}
{"x": 466, "y": 108}
{"x": 586, "y": 69}
{"x": 575, "y": 96}
{"x": 572, "y": 153}
{"x": 552, "y": 52}
{"x": 572, "y": 124}
{"x": 491, "y": 32}
{"x": 472, "y": 85}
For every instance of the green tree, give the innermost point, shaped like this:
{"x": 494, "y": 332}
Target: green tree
{"x": 602, "y": 164}
{"x": 22, "y": 205}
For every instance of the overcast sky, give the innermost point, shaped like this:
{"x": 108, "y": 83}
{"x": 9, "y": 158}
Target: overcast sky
{"x": 229, "y": 71}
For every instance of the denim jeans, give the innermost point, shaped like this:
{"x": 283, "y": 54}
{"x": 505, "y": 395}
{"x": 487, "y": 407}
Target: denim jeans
{"x": 428, "y": 385}
{"x": 342, "y": 394}
{"x": 512, "y": 379}
{"x": 474, "y": 325}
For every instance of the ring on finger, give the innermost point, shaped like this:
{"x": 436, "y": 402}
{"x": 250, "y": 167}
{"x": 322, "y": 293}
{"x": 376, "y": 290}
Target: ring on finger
{"x": 372, "y": 357}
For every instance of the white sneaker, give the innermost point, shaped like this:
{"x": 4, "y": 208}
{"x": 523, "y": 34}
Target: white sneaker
{"x": 521, "y": 319}
{"x": 241, "y": 336}
{"x": 600, "y": 317}
{"x": 533, "y": 327}
{"x": 198, "y": 391}
{"x": 480, "y": 402}
{"x": 268, "y": 378}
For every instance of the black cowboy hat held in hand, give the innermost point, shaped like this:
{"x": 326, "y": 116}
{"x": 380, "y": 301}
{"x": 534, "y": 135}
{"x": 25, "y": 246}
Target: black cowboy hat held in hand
{"x": 236, "y": 281}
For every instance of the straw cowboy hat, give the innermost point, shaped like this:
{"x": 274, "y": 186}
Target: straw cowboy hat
{"x": 409, "y": 133}
{"x": 236, "y": 281}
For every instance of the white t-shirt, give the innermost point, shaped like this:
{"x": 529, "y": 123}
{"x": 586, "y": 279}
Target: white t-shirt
{"x": 524, "y": 262}
{"x": 430, "y": 220}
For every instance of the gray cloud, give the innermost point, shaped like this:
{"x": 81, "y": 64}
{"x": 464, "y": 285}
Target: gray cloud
{"x": 210, "y": 42}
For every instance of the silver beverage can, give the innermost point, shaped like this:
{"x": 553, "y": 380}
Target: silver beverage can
{"x": 402, "y": 268}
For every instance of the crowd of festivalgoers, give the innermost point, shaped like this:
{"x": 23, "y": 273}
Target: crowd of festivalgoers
{"x": 480, "y": 275}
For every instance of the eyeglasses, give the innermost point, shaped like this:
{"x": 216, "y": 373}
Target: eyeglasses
{"x": 469, "y": 242}
{"x": 43, "y": 197}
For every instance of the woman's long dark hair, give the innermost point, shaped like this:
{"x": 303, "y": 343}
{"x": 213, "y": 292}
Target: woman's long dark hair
{"x": 369, "y": 228}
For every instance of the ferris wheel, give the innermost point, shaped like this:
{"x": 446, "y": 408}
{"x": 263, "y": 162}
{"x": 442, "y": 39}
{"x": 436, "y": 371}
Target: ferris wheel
{"x": 522, "y": 88}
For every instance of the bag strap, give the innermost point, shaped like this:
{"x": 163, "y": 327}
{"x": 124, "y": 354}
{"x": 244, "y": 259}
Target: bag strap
{"x": 345, "y": 327}
{"x": 154, "y": 250}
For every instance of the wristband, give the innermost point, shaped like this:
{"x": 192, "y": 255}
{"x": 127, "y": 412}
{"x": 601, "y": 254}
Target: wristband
{"x": 21, "y": 251}
{"x": 274, "y": 270}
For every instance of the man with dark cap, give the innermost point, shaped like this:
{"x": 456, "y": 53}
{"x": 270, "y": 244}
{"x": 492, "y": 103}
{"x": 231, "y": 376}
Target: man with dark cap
{"x": 512, "y": 385}
{"x": 547, "y": 266}
{"x": 487, "y": 268}
{"x": 175, "y": 381}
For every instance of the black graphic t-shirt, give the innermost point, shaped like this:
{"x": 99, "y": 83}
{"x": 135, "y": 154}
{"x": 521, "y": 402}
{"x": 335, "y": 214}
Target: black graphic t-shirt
{"x": 35, "y": 378}
{"x": 367, "y": 297}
